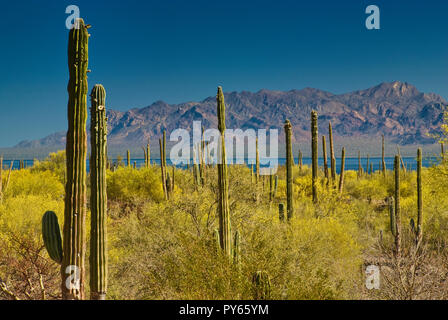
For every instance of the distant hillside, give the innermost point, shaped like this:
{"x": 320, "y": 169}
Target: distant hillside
{"x": 398, "y": 110}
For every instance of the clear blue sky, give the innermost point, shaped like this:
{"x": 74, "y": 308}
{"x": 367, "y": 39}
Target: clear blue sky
{"x": 144, "y": 51}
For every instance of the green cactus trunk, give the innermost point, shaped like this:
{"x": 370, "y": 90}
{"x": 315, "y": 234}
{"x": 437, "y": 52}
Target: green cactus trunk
{"x": 98, "y": 195}
{"x": 324, "y": 154}
{"x": 392, "y": 217}
{"x": 332, "y": 158}
{"x": 162, "y": 167}
{"x": 341, "y": 175}
{"x": 281, "y": 212}
{"x": 300, "y": 160}
{"x": 148, "y": 155}
{"x": 289, "y": 201}
{"x": 128, "y": 158}
{"x": 314, "y": 153}
{"x": 76, "y": 150}
{"x": 223, "y": 180}
{"x": 359, "y": 165}
{"x": 442, "y": 151}
{"x": 51, "y": 235}
{"x": 236, "y": 250}
{"x": 397, "y": 207}
{"x": 419, "y": 197}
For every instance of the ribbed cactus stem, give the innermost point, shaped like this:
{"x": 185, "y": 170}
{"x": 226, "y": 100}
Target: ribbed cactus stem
{"x": 341, "y": 175}
{"x": 98, "y": 195}
{"x": 314, "y": 153}
{"x": 442, "y": 151}
{"x": 359, "y": 164}
{"x": 324, "y": 154}
{"x": 393, "y": 222}
{"x": 223, "y": 180}
{"x": 300, "y": 160}
{"x": 236, "y": 249}
{"x": 76, "y": 151}
{"x": 419, "y": 197}
{"x": 289, "y": 201}
{"x": 162, "y": 169}
{"x": 51, "y": 235}
{"x": 148, "y": 155}
{"x": 332, "y": 158}
{"x": 128, "y": 158}
{"x": 397, "y": 206}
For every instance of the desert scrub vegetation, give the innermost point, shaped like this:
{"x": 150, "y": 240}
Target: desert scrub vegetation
{"x": 161, "y": 249}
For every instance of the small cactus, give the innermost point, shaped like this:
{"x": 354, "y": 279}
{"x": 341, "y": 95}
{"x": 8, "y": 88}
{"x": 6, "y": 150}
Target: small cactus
{"x": 324, "y": 154}
{"x": 262, "y": 285}
{"x": 383, "y": 162}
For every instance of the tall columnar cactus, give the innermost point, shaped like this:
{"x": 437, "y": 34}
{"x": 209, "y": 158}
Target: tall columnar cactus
{"x": 261, "y": 285}
{"x": 324, "y": 153}
{"x": 393, "y": 221}
{"x": 332, "y": 158}
{"x": 223, "y": 180}
{"x": 163, "y": 167}
{"x": 371, "y": 168}
{"x": 383, "y": 162}
{"x": 148, "y": 154}
{"x": 98, "y": 195}
{"x": 76, "y": 150}
{"x": 314, "y": 153}
{"x": 341, "y": 175}
{"x": 397, "y": 206}
{"x": 419, "y": 234}
{"x": 359, "y": 164}
{"x": 236, "y": 249}
{"x": 128, "y": 158}
{"x": 300, "y": 160}
{"x": 442, "y": 151}
{"x": 289, "y": 201}
{"x": 271, "y": 187}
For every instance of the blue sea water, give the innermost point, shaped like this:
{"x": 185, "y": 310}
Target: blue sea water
{"x": 350, "y": 163}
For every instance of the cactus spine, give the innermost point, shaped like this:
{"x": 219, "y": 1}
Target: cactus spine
{"x": 98, "y": 195}
{"x": 332, "y": 158}
{"x": 223, "y": 180}
{"x": 324, "y": 153}
{"x": 76, "y": 149}
{"x": 289, "y": 202}
{"x": 419, "y": 197}
{"x": 341, "y": 176}
{"x": 397, "y": 206}
{"x": 314, "y": 154}
{"x": 51, "y": 235}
